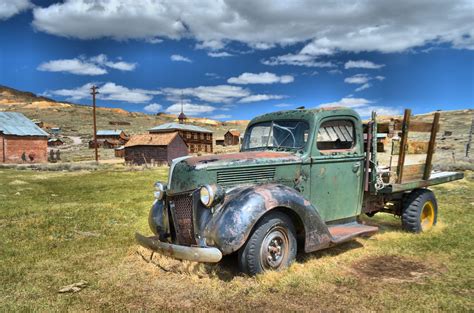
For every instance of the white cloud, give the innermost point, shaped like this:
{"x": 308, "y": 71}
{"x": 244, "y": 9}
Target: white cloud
{"x": 347, "y": 102}
{"x": 180, "y": 58}
{"x": 9, "y": 8}
{"x": 363, "y": 80}
{"x": 214, "y": 94}
{"x": 260, "y": 97}
{"x": 357, "y": 79}
{"x": 73, "y": 66}
{"x": 260, "y": 78}
{"x": 362, "y": 64}
{"x": 363, "y": 25}
{"x": 362, "y": 106}
{"x": 211, "y": 45}
{"x": 107, "y": 91}
{"x": 154, "y": 40}
{"x": 222, "y": 54}
{"x": 221, "y": 116}
{"x": 153, "y": 108}
{"x": 363, "y": 87}
{"x": 190, "y": 109}
{"x": 283, "y": 105}
{"x": 95, "y": 65}
{"x": 335, "y": 71}
{"x": 298, "y": 60}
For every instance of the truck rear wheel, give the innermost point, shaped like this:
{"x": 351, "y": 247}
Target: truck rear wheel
{"x": 420, "y": 211}
{"x": 271, "y": 245}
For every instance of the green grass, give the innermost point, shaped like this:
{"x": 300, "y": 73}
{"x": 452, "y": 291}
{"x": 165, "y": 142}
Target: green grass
{"x": 57, "y": 228}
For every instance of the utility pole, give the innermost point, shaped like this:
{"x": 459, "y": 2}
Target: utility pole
{"x": 469, "y": 140}
{"x": 93, "y": 93}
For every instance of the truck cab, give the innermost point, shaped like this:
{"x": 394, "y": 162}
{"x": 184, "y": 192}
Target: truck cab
{"x": 299, "y": 183}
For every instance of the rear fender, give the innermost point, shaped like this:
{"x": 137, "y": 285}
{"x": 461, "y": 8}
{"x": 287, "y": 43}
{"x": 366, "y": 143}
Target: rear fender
{"x": 233, "y": 222}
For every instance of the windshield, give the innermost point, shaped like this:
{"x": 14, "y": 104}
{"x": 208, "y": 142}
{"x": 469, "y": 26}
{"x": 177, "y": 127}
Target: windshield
{"x": 276, "y": 135}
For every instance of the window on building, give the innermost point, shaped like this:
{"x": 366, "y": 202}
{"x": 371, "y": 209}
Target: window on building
{"x": 336, "y": 135}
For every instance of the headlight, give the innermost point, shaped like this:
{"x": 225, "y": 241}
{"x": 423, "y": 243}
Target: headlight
{"x": 207, "y": 195}
{"x": 159, "y": 191}
{"x": 211, "y": 195}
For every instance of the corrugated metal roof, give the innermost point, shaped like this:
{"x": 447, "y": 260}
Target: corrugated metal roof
{"x": 163, "y": 139}
{"x": 175, "y": 126}
{"x": 109, "y": 132}
{"x": 14, "y": 123}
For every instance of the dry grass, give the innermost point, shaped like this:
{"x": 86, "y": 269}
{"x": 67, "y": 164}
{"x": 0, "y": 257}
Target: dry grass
{"x": 58, "y": 228}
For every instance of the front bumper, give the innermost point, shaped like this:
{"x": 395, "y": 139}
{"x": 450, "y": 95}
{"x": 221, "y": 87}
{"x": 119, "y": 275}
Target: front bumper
{"x": 197, "y": 254}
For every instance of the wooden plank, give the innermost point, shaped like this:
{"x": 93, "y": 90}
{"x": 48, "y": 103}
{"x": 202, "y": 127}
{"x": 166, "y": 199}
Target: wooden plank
{"x": 403, "y": 143}
{"x": 396, "y": 125}
{"x": 412, "y": 172}
{"x": 431, "y": 148}
{"x": 413, "y": 147}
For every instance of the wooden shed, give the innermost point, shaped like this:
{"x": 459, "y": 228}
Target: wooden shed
{"x": 232, "y": 137}
{"x": 21, "y": 140}
{"x": 159, "y": 148}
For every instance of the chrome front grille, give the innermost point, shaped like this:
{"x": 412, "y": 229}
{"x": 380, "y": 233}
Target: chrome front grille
{"x": 182, "y": 205}
{"x": 245, "y": 175}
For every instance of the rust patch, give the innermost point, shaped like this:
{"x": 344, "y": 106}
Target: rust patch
{"x": 240, "y": 156}
{"x": 392, "y": 267}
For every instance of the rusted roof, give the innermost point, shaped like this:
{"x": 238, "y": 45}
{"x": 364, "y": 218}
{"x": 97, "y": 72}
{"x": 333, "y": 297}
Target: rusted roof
{"x": 234, "y": 132}
{"x": 160, "y": 139}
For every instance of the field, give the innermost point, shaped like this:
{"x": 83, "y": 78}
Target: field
{"x": 59, "y": 228}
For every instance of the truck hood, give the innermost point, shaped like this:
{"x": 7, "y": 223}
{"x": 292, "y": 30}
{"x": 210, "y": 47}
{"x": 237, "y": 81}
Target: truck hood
{"x": 191, "y": 173}
{"x": 241, "y": 159}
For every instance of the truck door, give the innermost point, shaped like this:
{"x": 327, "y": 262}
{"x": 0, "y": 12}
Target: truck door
{"x": 337, "y": 162}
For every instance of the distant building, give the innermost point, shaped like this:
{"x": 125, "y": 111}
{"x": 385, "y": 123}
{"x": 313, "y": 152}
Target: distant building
{"x": 198, "y": 139}
{"x": 21, "y": 140}
{"x": 55, "y": 142}
{"x": 220, "y": 142}
{"x": 55, "y": 130}
{"x": 159, "y": 148}
{"x": 232, "y": 137}
{"x": 109, "y": 139}
{"x": 119, "y": 152}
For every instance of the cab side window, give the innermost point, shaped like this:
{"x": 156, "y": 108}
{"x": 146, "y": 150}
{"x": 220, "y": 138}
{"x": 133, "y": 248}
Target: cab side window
{"x": 336, "y": 135}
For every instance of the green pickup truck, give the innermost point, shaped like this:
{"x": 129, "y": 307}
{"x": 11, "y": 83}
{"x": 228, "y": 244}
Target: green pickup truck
{"x": 299, "y": 183}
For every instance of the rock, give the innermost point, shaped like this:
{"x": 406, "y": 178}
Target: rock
{"x": 74, "y": 287}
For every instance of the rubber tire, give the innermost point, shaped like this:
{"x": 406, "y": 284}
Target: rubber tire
{"x": 249, "y": 254}
{"x": 413, "y": 206}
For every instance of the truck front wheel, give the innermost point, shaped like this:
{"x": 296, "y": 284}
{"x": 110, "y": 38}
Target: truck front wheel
{"x": 420, "y": 211}
{"x": 271, "y": 245}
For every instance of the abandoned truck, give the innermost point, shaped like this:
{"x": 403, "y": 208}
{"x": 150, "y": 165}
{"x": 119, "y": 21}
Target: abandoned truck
{"x": 299, "y": 183}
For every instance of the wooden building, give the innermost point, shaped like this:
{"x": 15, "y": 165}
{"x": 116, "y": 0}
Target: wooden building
{"x": 119, "y": 152}
{"x": 112, "y": 135}
{"x": 158, "y": 148}
{"x": 198, "y": 139}
{"x": 55, "y": 142}
{"x": 21, "y": 140}
{"x": 232, "y": 137}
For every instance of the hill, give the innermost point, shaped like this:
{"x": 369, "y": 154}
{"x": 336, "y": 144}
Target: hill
{"x": 76, "y": 122}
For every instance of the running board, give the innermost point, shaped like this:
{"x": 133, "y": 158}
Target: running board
{"x": 344, "y": 232}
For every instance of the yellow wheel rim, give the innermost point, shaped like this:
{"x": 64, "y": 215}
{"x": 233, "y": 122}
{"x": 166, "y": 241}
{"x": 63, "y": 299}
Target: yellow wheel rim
{"x": 427, "y": 215}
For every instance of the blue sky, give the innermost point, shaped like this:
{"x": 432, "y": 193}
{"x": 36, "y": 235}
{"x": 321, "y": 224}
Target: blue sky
{"x": 237, "y": 59}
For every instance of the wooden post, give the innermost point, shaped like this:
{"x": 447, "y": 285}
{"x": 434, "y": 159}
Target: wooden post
{"x": 403, "y": 145}
{"x": 93, "y": 93}
{"x": 431, "y": 147}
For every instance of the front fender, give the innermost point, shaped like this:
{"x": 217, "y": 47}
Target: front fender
{"x": 231, "y": 225}
{"x": 158, "y": 219}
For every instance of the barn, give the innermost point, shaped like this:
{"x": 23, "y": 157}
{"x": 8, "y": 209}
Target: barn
{"x": 232, "y": 137}
{"x": 198, "y": 139}
{"x": 21, "y": 140}
{"x": 112, "y": 135}
{"x": 160, "y": 148}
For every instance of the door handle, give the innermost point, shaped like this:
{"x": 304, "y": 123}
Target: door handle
{"x": 355, "y": 167}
